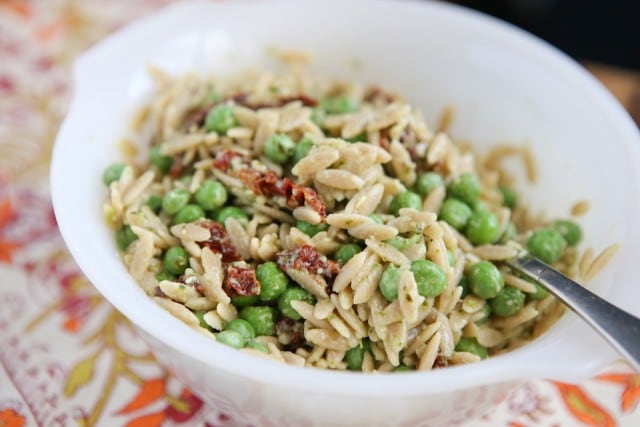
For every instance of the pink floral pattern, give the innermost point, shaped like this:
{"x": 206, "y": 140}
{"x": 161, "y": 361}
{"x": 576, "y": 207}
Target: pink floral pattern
{"x": 68, "y": 357}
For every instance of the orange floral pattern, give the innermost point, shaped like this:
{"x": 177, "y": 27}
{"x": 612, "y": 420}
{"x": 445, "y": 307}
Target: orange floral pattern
{"x": 631, "y": 389}
{"x": 583, "y": 407}
{"x": 150, "y": 391}
{"x": 7, "y": 247}
{"x": 64, "y": 351}
{"x": 10, "y": 418}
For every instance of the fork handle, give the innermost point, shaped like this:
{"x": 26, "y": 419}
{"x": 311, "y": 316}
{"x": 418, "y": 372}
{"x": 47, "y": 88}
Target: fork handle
{"x": 619, "y": 328}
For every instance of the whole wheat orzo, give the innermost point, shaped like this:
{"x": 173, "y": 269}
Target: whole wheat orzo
{"x": 323, "y": 224}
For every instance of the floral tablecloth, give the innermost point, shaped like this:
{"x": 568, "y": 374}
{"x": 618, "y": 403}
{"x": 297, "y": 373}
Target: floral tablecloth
{"x": 66, "y": 356}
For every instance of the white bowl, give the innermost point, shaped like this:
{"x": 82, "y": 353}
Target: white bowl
{"x": 506, "y": 86}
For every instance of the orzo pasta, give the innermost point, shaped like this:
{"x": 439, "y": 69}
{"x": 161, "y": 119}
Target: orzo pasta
{"x": 324, "y": 224}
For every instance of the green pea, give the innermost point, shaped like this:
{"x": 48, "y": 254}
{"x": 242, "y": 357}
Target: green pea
{"x": 455, "y": 213}
{"x": 403, "y": 368}
{"x": 346, "y": 252}
{"x": 189, "y": 213}
{"x": 175, "y": 200}
{"x": 279, "y": 148}
{"x": 430, "y": 277}
{"x": 540, "y": 293}
{"x": 354, "y": 357}
{"x": 241, "y": 301}
{"x": 165, "y": 275}
{"x": 339, "y": 105}
{"x": 509, "y": 196}
{"x": 483, "y": 227}
{"x": 124, "y": 237}
{"x": 466, "y": 188}
{"x": 273, "y": 281}
{"x": 427, "y": 182}
{"x": 485, "y": 280}
{"x": 211, "y": 195}
{"x": 256, "y": 345}
{"x": 293, "y": 294}
{"x": 471, "y": 345}
{"x": 402, "y": 243}
{"x": 230, "y": 338}
{"x": 569, "y": 230}
{"x": 176, "y": 260}
{"x": 200, "y": 315}
{"x": 546, "y": 244}
{"x": 405, "y": 199}
{"x": 376, "y": 218}
{"x": 220, "y": 119}
{"x": 508, "y": 302}
{"x": 232, "y": 212}
{"x": 302, "y": 149}
{"x": 311, "y": 229}
{"x": 112, "y": 173}
{"x": 486, "y": 312}
{"x": 263, "y": 319}
{"x": 159, "y": 160}
{"x": 389, "y": 283}
{"x": 242, "y": 327}
{"x": 155, "y": 203}
{"x": 509, "y": 233}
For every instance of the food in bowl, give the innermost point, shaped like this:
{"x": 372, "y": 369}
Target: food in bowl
{"x": 506, "y": 86}
{"x": 323, "y": 223}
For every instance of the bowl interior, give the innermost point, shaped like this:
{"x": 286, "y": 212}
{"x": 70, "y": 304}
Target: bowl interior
{"x": 505, "y": 87}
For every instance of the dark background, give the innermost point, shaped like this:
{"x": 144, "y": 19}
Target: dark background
{"x": 607, "y": 32}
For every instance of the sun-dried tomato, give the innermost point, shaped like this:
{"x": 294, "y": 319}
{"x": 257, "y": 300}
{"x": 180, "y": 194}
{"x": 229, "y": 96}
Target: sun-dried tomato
{"x": 241, "y": 281}
{"x": 250, "y": 178}
{"x": 307, "y": 258}
{"x": 307, "y": 196}
{"x": 269, "y": 184}
{"x": 223, "y": 159}
{"x": 219, "y": 241}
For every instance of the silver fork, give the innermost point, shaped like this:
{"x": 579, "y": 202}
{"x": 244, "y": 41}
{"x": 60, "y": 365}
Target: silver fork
{"x": 619, "y": 328}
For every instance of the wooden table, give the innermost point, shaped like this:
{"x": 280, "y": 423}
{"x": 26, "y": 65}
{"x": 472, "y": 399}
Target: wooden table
{"x": 623, "y": 84}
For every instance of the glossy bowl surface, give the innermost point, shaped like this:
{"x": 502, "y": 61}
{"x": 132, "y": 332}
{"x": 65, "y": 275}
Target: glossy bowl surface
{"x": 505, "y": 85}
